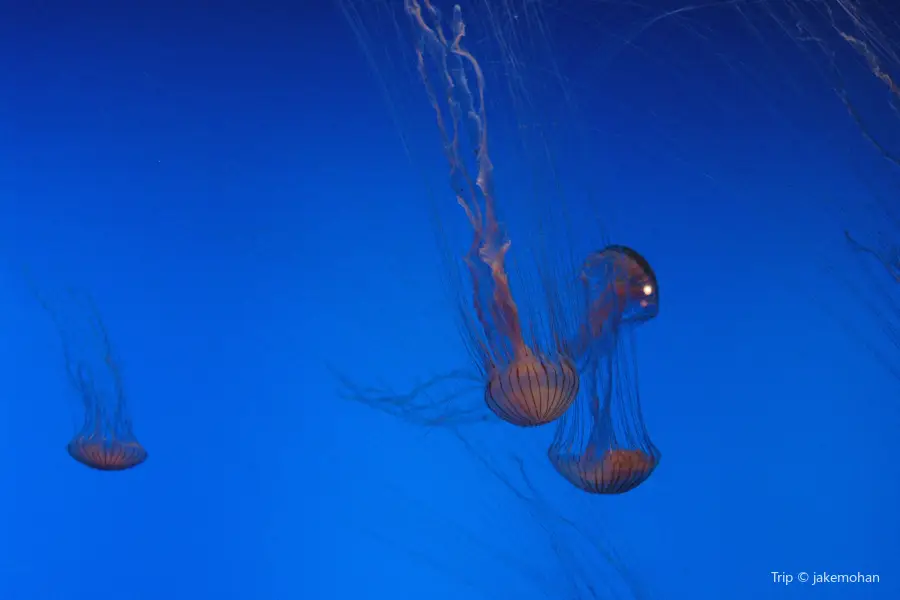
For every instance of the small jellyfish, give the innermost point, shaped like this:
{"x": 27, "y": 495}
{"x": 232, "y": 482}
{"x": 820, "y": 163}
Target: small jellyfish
{"x": 105, "y": 440}
{"x": 601, "y": 444}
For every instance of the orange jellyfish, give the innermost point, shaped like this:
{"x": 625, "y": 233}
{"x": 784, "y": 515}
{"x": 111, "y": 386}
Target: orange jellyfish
{"x": 601, "y": 445}
{"x": 617, "y": 281}
{"x": 106, "y": 439}
{"x": 530, "y": 378}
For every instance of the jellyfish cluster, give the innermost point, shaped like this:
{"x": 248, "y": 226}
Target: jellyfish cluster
{"x": 570, "y": 359}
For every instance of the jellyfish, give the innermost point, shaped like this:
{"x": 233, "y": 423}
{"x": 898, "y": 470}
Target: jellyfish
{"x": 601, "y": 444}
{"x": 105, "y": 441}
{"x": 529, "y": 378}
{"x": 619, "y": 288}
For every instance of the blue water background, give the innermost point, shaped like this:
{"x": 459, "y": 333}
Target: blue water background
{"x": 230, "y": 186}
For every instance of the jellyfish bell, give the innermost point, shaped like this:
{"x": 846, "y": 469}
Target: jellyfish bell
{"x": 614, "y": 471}
{"x": 105, "y": 453}
{"x": 532, "y": 390}
{"x": 618, "y": 289}
{"x": 619, "y": 284}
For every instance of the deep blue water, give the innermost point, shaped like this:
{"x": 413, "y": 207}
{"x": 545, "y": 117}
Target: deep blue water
{"x": 229, "y": 184}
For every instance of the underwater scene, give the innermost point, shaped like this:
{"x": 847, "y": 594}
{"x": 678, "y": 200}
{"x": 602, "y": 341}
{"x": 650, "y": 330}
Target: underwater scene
{"x": 412, "y": 299}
